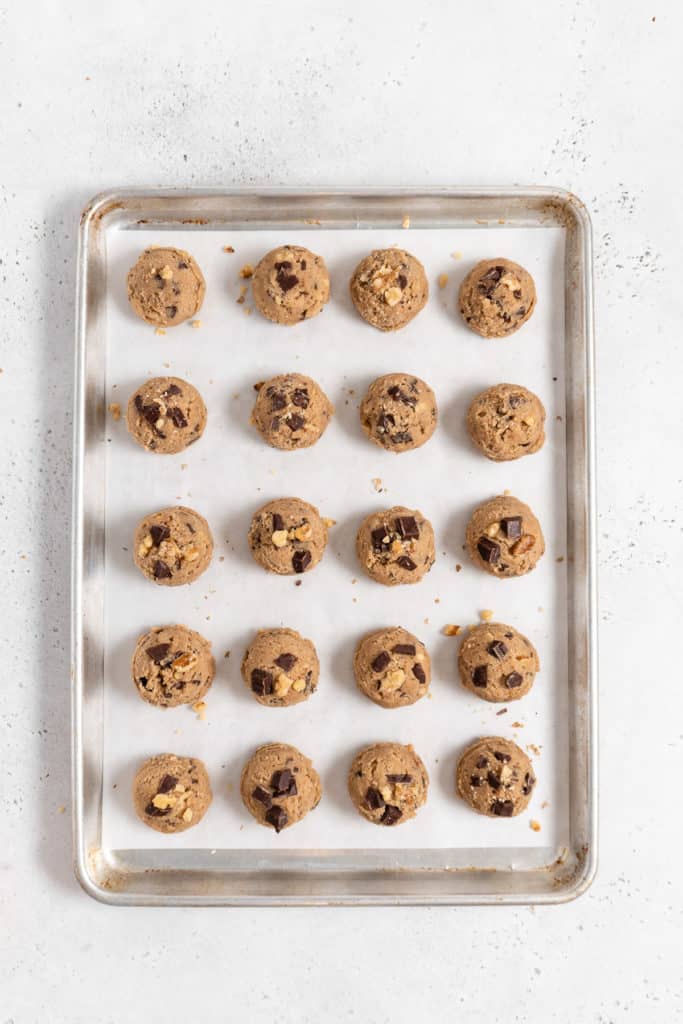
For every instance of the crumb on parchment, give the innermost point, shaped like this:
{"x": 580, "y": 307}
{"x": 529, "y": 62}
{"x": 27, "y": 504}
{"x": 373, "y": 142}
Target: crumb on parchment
{"x": 115, "y": 410}
{"x": 442, "y": 280}
{"x": 452, "y": 630}
{"x": 246, "y": 271}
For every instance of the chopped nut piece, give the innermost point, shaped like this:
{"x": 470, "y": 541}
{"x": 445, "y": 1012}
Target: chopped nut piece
{"x": 393, "y": 680}
{"x": 529, "y": 420}
{"x": 196, "y": 324}
{"x": 188, "y": 814}
{"x": 392, "y": 296}
{"x": 166, "y": 273}
{"x": 115, "y": 410}
{"x": 535, "y": 825}
{"x": 299, "y": 685}
{"x": 304, "y": 532}
{"x": 330, "y": 522}
{"x": 524, "y": 544}
{"x": 159, "y": 330}
{"x": 452, "y": 630}
{"x": 200, "y": 709}
{"x": 442, "y": 280}
{"x": 192, "y": 554}
{"x": 486, "y": 614}
{"x": 282, "y": 685}
{"x": 387, "y": 793}
{"x": 493, "y": 529}
{"x": 377, "y": 483}
{"x": 163, "y": 800}
{"x": 228, "y": 248}
{"x": 244, "y": 288}
{"x": 405, "y": 222}
{"x": 246, "y": 271}
{"x": 280, "y": 538}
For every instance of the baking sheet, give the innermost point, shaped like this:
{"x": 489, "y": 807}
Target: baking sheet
{"x": 230, "y": 472}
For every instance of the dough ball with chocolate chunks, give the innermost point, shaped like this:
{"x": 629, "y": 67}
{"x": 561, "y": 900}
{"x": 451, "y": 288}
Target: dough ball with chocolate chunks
{"x": 504, "y": 537}
{"x": 399, "y": 412}
{"x": 288, "y": 536}
{"x": 172, "y": 665}
{"x": 497, "y": 297}
{"x": 165, "y": 287}
{"x": 290, "y": 284}
{"x": 506, "y": 422}
{"x": 388, "y": 783}
{"x": 165, "y": 415}
{"x": 291, "y": 411}
{"x": 171, "y": 793}
{"x": 392, "y": 667}
{"x": 173, "y": 546}
{"x": 389, "y": 288}
{"x": 279, "y": 786}
{"x": 494, "y": 776}
{"x": 396, "y": 546}
{"x": 280, "y": 667}
{"x": 497, "y": 663}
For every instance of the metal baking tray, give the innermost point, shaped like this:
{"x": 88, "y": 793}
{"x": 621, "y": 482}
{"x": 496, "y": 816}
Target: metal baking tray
{"x": 444, "y": 856}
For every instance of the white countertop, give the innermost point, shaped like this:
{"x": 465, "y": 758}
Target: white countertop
{"x": 386, "y": 94}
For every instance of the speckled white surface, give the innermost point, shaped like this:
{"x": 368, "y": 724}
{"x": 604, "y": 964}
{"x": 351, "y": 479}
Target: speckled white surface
{"x": 574, "y": 93}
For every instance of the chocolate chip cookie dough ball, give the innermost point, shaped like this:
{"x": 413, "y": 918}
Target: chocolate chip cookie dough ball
{"x": 497, "y": 663}
{"x": 392, "y": 667}
{"x": 173, "y": 546}
{"x": 171, "y": 793}
{"x": 506, "y": 422}
{"x": 504, "y": 537}
{"x": 494, "y": 776}
{"x": 290, "y": 284}
{"x": 399, "y": 412}
{"x": 291, "y": 411}
{"x": 165, "y": 415}
{"x": 389, "y": 287}
{"x": 388, "y": 783}
{"x": 279, "y": 786}
{"x": 172, "y": 665}
{"x": 396, "y": 546}
{"x": 165, "y": 287}
{"x": 497, "y": 297}
{"x": 280, "y": 667}
{"x": 288, "y": 536}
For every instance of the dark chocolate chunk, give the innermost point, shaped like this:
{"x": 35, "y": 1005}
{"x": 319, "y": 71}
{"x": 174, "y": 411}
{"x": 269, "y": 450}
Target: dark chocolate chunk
{"x": 402, "y": 777}
{"x": 300, "y": 398}
{"x": 407, "y": 528}
{"x": 374, "y": 799}
{"x": 177, "y": 416}
{"x": 476, "y": 781}
{"x": 380, "y": 538}
{"x": 404, "y": 437}
{"x": 278, "y": 522}
{"x": 517, "y": 293}
{"x": 419, "y": 673}
{"x": 172, "y": 389}
{"x": 500, "y": 756}
{"x": 159, "y": 533}
{"x": 286, "y": 281}
{"x": 480, "y": 676}
{"x": 171, "y": 312}
{"x": 149, "y": 412}
{"x": 529, "y": 783}
{"x": 275, "y": 423}
{"x": 277, "y": 817}
{"x": 481, "y": 762}
{"x": 380, "y": 662}
{"x": 278, "y": 401}
{"x": 263, "y": 796}
{"x": 295, "y": 422}
{"x": 497, "y": 649}
{"x": 286, "y": 661}
{"x": 157, "y": 812}
{"x": 161, "y": 571}
{"x": 261, "y": 682}
{"x": 391, "y": 815}
{"x": 511, "y": 527}
{"x": 402, "y": 281}
{"x": 515, "y": 401}
{"x": 182, "y": 265}
{"x": 283, "y": 783}
{"x": 502, "y": 808}
{"x": 493, "y": 780}
{"x": 168, "y": 783}
{"x": 302, "y": 264}
{"x": 513, "y": 680}
{"x": 158, "y": 652}
{"x": 283, "y": 265}
{"x": 400, "y": 396}
{"x": 301, "y": 560}
{"x": 408, "y": 649}
{"x": 489, "y": 550}
{"x": 385, "y": 421}
{"x": 406, "y": 563}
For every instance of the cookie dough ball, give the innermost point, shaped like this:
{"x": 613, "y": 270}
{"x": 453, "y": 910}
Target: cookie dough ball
{"x": 279, "y": 786}
{"x": 173, "y": 546}
{"x": 166, "y": 415}
{"x": 389, "y": 287}
{"x": 494, "y": 776}
{"x": 172, "y": 665}
{"x": 290, "y": 284}
{"x": 497, "y": 297}
{"x": 280, "y": 667}
{"x": 392, "y": 667}
{"x": 171, "y": 793}
{"x": 288, "y": 536}
{"x": 399, "y": 412}
{"x": 165, "y": 287}
{"x": 497, "y": 663}
{"x": 504, "y": 537}
{"x": 396, "y": 546}
{"x": 506, "y": 422}
{"x": 291, "y": 411}
{"x": 388, "y": 783}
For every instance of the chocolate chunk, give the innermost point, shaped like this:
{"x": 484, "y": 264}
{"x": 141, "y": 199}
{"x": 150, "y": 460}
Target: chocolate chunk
{"x": 275, "y": 423}
{"x": 480, "y": 676}
{"x": 286, "y": 281}
{"x": 283, "y": 783}
{"x": 529, "y": 783}
{"x": 406, "y": 563}
{"x": 278, "y": 522}
{"x": 157, "y": 812}
{"x": 172, "y": 389}
{"x": 171, "y": 312}
{"x": 402, "y": 777}
{"x": 149, "y": 412}
{"x": 476, "y": 781}
{"x": 404, "y": 437}
{"x": 161, "y": 571}
{"x": 159, "y": 533}
{"x": 263, "y": 796}
{"x": 286, "y": 661}
{"x": 402, "y": 281}
{"x": 391, "y": 815}
{"x": 489, "y": 550}
{"x": 385, "y": 421}
{"x": 481, "y": 762}
{"x": 408, "y": 649}
{"x": 493, "y": 274}
{"x": 400, "y": 396}
{"x": 283, "y": 265}
{"x": 419, "y": 673}
{"x": 177, "y": 416}
{"x": 511, "y": 527}
{"x": 300, "y": 398}
{"x": 168, "y": 783}
{"x": 302, "y": 264}
{"x": 407, "y": 528}
{"x": 380, "y": 662}
{"x": 493, "y": 780}
{"x": 500, "y": 756}
{"x": 374, "y": 799}
{"x": 513, "y": 680}
{"x": 278, "y": 401}
{"x": 380, "y": 538}
{"x": 277, "y": 817}
{"x": 517, "y": 293}
{"x": 301, "y": 560}
{"x": 502, "y": 808}
{"x": 497, "y": 649}
{"x": 515, "y": 401}
{"x": 295, "y": 422}
{"x": 261, "y": 682}
{"x": 158, "y": 652}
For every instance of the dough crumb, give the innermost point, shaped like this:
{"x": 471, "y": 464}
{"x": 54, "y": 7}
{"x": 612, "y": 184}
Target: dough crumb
{"x": 228, "y": 248}
{"x": 456, "y": 255}
{"x": 200, "y": 709}
{"x": 311, "y": 220}
{"x": 196, "y": 324}
{"x": 244, "y": 288}
{"x": 405, "y": 223}
{"x": 61, "y": 809}
{"x": 486, "y": 614}
{"x": 518, "y": 725}
{"x": 115, "y": 410}
{"x": 247, "y": 310}
{"x": 377, "y": 483}
{"x": 452, "y": 630}
{"x": 227, "y": 654}
{"x": 426, "y": 621}
{"x": 534, "y": 749}
{"x": 437, "y": 600}
{"x": 535, "y": 825}
{"x": 159, "y": 330}
{"x": 458, "y": 567}
{"x": 329, "y": 522}
{"x": 442, "y": 280}
{"x": 246, "y": 271}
